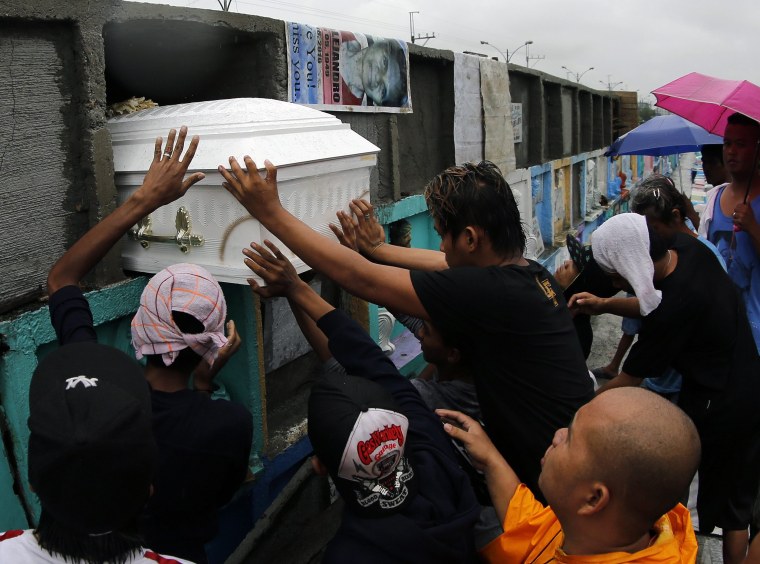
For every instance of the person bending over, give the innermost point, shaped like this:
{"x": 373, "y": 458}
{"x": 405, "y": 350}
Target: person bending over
{"x": 407, "y": 499}
{"x": 693, "y": 320}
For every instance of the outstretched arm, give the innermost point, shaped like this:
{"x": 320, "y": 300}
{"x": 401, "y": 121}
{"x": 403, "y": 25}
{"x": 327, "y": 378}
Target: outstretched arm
{"x": 500, "y": 478}
{"x": 384, "y": 285}
{"x": 369, "y": 239}
{"x": 622, "y": 380}
{"x": 590, "y": 304}
{"x": 162, "y": 184}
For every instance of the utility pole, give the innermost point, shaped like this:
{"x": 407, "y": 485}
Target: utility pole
{"x": 419, "y": 35}
{"x": 609, "y": 84}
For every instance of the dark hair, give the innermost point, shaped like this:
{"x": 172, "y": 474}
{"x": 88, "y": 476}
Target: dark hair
{"x": 116, "y": 546}
{"x": 478, "y": 195}
{"x": 187, "y": 359}
{"x": 658, "y": 245}
{"x": 398, "y": 230}
{"x": 658, "y": 194}
{"x": 740, "y": 119}
{"x": 712, "y": 152}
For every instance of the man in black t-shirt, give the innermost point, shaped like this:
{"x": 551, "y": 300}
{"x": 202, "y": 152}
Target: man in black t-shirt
{"x": 701, "y": 330}
{"x": 507, "y": 312}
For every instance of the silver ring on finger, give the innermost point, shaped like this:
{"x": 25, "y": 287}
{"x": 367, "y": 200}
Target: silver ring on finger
{"x": 366, "y": 216}
{"x": 168, "y": 154}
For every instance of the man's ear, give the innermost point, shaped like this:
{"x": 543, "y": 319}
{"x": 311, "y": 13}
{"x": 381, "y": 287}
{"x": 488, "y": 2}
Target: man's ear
{"x": 676, "y": 214}
{"x": 319, "y": 468}
{"x": 473, "y": 237}
{"x": 453, "y": 355}
{"x": 597, "y": 498}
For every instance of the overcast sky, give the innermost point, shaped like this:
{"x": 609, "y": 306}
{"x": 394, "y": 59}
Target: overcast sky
{"x": 641, "y": 44}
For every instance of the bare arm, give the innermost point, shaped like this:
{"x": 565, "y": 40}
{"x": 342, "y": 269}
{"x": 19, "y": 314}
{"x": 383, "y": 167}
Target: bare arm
{"x": 317, "y": 340}
{"x": 370, "y": 241}
{"x": 744, "y": 220}
{"x": 384, "y": 285}
{"x": 501, "y": 479}
{"x": 590, "y": 304}
{"x": 620, "y": 381}
{"x": 162, "y": 184}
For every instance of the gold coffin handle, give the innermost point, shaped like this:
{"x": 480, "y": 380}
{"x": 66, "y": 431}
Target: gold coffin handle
{"x": 185, "y": 238}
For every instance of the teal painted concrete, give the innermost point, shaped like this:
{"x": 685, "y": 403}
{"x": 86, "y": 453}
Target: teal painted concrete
{"x": 30, "y": 337}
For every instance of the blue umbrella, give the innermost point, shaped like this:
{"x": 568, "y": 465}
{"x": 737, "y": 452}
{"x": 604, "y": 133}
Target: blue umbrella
{"x": 663, "y": 135}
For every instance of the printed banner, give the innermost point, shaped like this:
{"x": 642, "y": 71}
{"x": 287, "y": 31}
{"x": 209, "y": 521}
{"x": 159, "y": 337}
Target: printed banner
{"x": 341, "y": 70}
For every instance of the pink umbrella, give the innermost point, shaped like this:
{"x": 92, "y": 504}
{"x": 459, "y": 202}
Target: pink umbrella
{"x": 708, "y": 101}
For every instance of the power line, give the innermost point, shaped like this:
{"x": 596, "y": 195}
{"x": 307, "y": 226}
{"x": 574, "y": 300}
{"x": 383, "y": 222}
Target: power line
{"x": 299, "y": 9}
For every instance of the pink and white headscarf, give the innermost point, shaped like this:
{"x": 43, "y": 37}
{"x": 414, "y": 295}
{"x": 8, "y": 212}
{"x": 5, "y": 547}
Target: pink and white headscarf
{"x": 187, "y": 288}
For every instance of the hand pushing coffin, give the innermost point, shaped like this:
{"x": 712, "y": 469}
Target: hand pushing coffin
{"x": 321, "y": 166}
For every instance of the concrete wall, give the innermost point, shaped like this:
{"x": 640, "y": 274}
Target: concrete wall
{"x": 63, "y": 63}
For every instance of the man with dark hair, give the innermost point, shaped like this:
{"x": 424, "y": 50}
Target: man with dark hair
{"x": 693, "y": 320}
{"x": 712, "y": 164}
{"x": 92, "y": 457}
{"x": 731, "y": 219}
{"x": 506, "y": 313}
{"x": 203, "y": 444}
{"x": 612, "y": 481}
{"x": 407, "y": 499}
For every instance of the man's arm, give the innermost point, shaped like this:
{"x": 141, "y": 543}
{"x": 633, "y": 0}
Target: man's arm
{"x": 384, "y": 285}
{"x": 622, "y": 380}
{"x": 347, "y": 341}
{"x": 501, "y": 479}
{"x": 744, "y": 220}
{"x": 590, "y": 304}
{"x": 367, "y": 236}
{"x": 162, "y": 184}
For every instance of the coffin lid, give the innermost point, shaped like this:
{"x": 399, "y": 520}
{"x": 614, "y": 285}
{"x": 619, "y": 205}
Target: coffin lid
{"x": 287, "y": 134}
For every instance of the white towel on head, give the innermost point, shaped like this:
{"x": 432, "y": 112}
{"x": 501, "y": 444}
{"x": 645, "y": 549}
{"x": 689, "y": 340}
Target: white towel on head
{"x": 621, "y": 245}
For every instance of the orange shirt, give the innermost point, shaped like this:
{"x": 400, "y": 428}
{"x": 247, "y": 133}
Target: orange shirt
{"x": 532, "y": 534}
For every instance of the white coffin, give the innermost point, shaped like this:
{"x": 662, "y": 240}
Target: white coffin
{"x": 321, "y": 166}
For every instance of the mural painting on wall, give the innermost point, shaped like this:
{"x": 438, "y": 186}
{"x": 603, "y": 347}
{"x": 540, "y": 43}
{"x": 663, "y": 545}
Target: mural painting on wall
{"x": 592, "y": 187}
{"x": 341, "y": 70}
{"x": 558, "y": 197}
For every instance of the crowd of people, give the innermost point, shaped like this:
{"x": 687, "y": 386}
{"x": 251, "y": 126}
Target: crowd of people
{"x": 507, "y": 451}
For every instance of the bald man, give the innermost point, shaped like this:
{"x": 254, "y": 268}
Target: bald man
{"x": 612, "y": 480}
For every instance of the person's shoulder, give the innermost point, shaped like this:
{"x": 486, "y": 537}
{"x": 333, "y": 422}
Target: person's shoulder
{"x": 151, "y": 557}
{"x": 20, "y": 546}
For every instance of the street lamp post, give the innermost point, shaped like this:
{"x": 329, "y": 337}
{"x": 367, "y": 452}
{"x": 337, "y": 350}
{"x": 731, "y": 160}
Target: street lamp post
{"x": 578, "y": 76}
{"x": 520, "y": 47}
{"x": 506, "y": 59}
{"x": 507, "y": 56}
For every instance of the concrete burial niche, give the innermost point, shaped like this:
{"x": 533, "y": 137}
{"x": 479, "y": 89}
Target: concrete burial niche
{"x": 173, "y": 61}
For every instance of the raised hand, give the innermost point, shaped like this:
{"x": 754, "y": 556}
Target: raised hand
{"x": 257, "y": 194}
{"x": 369, "y": 233}
{"x": 346, "y": 233}
{"x": 165, "y": 180}
{"x": 204, "y": 374}
{"x": 469, "y": 432}
{"x": 272, "y": 267}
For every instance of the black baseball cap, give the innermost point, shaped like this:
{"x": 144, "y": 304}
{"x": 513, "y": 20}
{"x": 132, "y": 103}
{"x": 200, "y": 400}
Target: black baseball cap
{"x": 91, "y": 449}
{"x": 359, "y": 434}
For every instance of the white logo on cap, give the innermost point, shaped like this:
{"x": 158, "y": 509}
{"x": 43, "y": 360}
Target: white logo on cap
{"x": 84, "y": 380}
